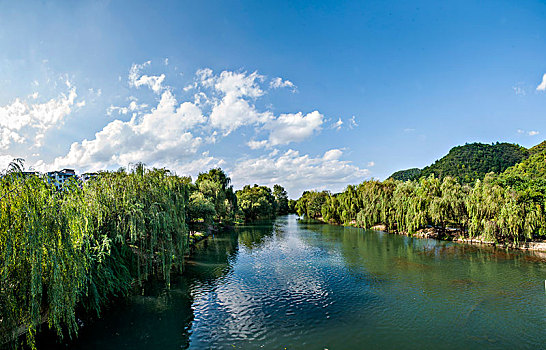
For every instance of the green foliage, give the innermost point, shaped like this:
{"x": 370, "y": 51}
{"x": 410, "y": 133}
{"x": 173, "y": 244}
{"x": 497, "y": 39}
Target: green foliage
{"x": 281, "y": 199}
{"x": 256, "y": 202}
{"x": 215, "y": 188}
{"x": 75, "y": 248}
{"x": 201, "y": 209}
{"x": 506, "y": 207}
{"x": 408, "y": 174}
{"x": 310, "y": 204}
{"x": 472, "y": 161}
{"x": 292, "y": 206}
{"x": 538, "y": 148}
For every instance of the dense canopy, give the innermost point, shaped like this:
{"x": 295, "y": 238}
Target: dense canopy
{"x": 469, "y": 162}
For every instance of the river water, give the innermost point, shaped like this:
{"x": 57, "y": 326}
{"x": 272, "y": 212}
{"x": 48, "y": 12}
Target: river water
{"x": 301, "y": 285}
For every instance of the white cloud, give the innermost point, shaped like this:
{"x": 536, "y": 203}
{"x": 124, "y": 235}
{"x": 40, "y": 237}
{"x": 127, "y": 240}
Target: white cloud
{"x": 278, "y": 83}
{"x": 530, "y": 133}
{"x": 352, "y": 122}
{"x": 294, "y": 127}
{"x": 194, "y": 167}
{"x": 337, "y": 125}
{"x": 256, "y": 144}
{"x": 171, "y": 133}
{"x": 231, "y": 97}
{"x": 239, "y": 84}
{"x": 332, "y": 154}
{"x": 371, "y": 164}
{"x": 299, "y": 172}
{"x": 24, "y": 122}
{"x": 233, "y": 112}
{"x": 162, "y": 135}
{"x": 133, "y": 106}
{"x": 232, "y": 103}
{"x": 542, "y": 85}
{"x": 137, "y": 80}
{"x": 5, "y": 159}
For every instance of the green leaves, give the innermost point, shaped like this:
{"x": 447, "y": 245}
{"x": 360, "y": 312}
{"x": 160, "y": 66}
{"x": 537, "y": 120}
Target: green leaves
{"x": 506, "y": 207}
{"x": 83, "y": 244}
{"x": 256, "y": 202}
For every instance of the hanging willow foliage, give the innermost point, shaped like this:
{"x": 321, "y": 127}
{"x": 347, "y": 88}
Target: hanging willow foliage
{"x": 499, "y": 208}
{"x": 78, "y": 247}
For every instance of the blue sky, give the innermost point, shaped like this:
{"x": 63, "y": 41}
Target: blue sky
{"x": 309, "y": 95}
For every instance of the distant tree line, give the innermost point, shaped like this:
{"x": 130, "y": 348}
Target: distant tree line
{"x": 501, "y": 207}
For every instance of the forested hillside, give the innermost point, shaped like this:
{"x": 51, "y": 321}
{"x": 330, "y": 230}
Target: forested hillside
{"x": 408, "y": 174}
{"x": 469, "y": 162}
{"x": 538, "y": 148}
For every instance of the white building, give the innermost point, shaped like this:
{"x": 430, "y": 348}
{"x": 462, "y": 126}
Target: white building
{"x": 59, "y": 177}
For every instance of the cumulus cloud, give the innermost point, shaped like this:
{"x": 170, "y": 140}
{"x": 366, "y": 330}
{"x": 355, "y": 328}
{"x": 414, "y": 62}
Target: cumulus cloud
{"x": 332, "y": 154}
{"x": 196, "y": 166}
{"x": 24, "y": 122}
{"x": 253, "y": 144}
{"x": 299, "y": 172}
{"x": 5, "y": 159}
{"x": 533, "y": 133}
{"x": 294, "y": 127}
{"x": 162, "y": 135}
{"x": 133, "y": 106}
{"x": 278, "y": 83}
{"x": 172, "y": 133}
{"x": 234, "y": 107}
{"x": 137, "y": 80}
{"x": 542, "y": 85}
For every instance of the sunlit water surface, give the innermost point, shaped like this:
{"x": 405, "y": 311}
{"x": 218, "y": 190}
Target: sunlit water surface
{"x": 296, "y": 285}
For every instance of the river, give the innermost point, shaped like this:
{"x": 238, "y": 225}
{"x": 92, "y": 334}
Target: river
{"x": 303, "y": 285}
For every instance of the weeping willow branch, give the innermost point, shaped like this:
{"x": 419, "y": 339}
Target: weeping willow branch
{"x": 76, "y": 248}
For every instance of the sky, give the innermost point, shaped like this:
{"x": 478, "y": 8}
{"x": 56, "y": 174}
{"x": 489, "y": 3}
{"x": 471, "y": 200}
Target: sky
{"x": 310, "y": 95}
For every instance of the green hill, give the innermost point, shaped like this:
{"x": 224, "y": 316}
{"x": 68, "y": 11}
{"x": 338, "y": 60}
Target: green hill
{"x": 408, "y": 174}
{"x": 471, "y": 161}
{"x": 531, "y": 169}
{"x": 538, "y": 148}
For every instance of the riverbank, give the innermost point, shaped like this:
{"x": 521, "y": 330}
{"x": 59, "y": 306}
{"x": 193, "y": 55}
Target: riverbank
{"x": 537, "y": 247}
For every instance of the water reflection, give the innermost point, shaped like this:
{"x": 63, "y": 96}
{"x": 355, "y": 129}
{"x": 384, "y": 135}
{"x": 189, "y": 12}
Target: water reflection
{"x": 483, "y": 292}
{"x": 302, "y": 285}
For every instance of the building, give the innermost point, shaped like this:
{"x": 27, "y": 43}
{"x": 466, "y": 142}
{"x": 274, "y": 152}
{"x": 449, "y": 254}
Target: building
{"x": 60, "y": 177}
{"x": 87, "y": 176}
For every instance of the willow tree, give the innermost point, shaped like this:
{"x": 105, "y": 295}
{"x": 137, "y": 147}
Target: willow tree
{"x": 82, "y": 244}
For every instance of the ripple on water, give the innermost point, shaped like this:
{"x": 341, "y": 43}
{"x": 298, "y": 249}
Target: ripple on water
{"x": 320, "y": 286}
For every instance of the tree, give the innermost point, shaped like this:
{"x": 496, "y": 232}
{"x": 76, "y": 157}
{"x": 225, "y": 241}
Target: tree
{"x": 215, "y": 187}
{"x": 256, "y": 202}
{"x": 281, "y": 199}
